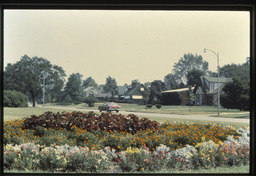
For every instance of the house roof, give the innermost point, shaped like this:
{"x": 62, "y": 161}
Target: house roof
{"x": 177, "y": 90}
{"x": 215, "y": 79}
{"x": 135, "y": 91}
{"x": 93, "y": 89}
{"x": 121, "y": 90}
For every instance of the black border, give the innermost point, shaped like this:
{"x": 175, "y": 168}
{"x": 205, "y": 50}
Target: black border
{"x": 225, "y": 5}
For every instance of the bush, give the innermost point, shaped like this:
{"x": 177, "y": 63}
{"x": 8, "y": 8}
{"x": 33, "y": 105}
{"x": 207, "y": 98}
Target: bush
{"x": 13, "y": 98}
{"x": 158, "y": 106}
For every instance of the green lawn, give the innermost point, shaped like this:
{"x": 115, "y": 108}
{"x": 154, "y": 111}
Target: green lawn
{"x": 186, "y": 110}
{"x": 18, "y": 113}
{"x": 219, "y": 170}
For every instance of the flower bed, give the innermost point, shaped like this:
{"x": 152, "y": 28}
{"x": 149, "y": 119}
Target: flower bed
{"x": 168, "y": 146}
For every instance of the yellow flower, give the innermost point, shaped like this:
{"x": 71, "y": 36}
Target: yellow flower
{"x": 203, "y": 139}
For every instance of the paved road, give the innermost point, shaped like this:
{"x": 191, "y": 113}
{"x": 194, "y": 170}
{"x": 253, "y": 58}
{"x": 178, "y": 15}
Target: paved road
{"x": 174, "y": 116}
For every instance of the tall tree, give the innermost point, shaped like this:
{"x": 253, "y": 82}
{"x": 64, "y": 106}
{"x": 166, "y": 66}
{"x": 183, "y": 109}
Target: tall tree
{"x": 74, "y": 88}
{"x": 146, "y": 92}
{"x": 187, "y": 63}
{"x": 89, "y": 82}
{"x": 170, "y": 81}
{"x": 237, "y": 95}
{"x": 30, "y": 75}
{"x": 155, "y": 90}
{"x": 111, "y": 86}
{"x": 193, "y": 77}
{"x": 236, "y": 70}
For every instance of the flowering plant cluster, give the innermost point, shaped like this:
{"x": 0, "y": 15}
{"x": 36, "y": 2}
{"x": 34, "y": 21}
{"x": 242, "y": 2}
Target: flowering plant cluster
{"x": 90, "y": 122}
{"x": 207, "y": 154}
{"x": 64, "y": 142}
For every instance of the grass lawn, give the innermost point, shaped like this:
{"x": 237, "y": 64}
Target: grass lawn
{"x": 183, "y": 110}
{"x": 219, "y": 170}
{"x": 18, "y": 113}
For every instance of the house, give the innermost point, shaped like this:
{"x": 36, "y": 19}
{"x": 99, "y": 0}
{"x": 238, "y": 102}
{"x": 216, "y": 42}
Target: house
{"x": 92, "y": 90}
{"x": 121, "y": 91}
{"x": 103, "y": 96}
{"x": 134, "y": 92}
{"x": 205, "y": 94}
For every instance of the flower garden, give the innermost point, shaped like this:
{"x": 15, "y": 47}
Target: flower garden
{"x": 90, "y": 142}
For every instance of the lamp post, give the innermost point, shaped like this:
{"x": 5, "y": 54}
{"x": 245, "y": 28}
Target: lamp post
{"x": 217, "y": 54}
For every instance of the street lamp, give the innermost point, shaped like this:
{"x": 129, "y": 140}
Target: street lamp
{"x": 217, "y": 54}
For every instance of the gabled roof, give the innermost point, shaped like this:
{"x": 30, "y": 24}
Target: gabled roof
{"x": 134, "y": 91}
{"x": 121, "y": 90}
{"x": 215, "y": 79}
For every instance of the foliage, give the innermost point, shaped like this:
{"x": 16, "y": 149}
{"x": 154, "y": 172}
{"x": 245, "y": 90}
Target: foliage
{"x": 158, "y": 106}
{"x": 74, "y": 88}
{"x": 155, "y": 91}
{"x": 237, "y": 95}
{"x": 146, "y": 92}
{"x": 35, "y": 70}
{"x": 236, "y": 71}
{"x": 170, "y": 81}
{"x": 190, "y": 96}
{"x": 193, "y": 77}
{"x": 111, "y": 86}
{"x": 178, "y": 146}
{"x": 90, "y": 122}
{"x": 90, "y": 100}
{"x": 15, "y": 99}
{"x": 187, "y": 63}
{"x": 89, "y": 82}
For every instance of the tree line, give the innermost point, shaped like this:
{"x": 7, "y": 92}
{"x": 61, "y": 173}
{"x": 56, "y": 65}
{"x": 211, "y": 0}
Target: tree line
{"x": 36, "y": 75}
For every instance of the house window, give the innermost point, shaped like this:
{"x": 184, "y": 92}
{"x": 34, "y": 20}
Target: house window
{"x": 212, "y": 86}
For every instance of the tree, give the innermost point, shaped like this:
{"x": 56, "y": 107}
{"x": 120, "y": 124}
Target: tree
{"x": 89, "y": 82}
{"x": 155, "y": 90}
{"x": 111, "y": 86}
{"x": 28, "y": 75}
{"x": 237, "y": 95}
{"x": 74, "y": 88}
{"x": 170, "y": 81}
{"x": 187, "y": 63}
{"x": 234, "y": 70}
{"x": 146, "y": 92}
{"x": 90, "y": 100}
{"x": 13, "y": 98}
{"x": 190, "y": 97}
{"x": 193, "y": 77}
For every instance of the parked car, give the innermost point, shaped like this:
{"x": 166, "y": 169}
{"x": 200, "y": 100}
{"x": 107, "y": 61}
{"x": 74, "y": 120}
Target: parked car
{"x": 109, "y": 106}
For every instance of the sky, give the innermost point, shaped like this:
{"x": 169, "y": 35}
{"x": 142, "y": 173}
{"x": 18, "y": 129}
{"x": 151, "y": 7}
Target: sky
{"x": 125, "y": 44}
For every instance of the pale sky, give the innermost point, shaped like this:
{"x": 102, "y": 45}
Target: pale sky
{"x": 126, "y": 45}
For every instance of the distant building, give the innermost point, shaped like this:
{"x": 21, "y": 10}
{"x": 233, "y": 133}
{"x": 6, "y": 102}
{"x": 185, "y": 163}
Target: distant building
{"x": 92, "y": 90}
{"x": 134, "y": 92}
{"x": 205, "y": 94}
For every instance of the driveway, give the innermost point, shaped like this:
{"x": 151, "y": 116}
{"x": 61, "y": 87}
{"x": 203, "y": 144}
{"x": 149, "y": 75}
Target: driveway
{"x": 174, "y": 116}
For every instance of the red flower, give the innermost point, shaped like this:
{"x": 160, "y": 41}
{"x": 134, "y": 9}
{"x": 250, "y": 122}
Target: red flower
{"x": 117, "y": 160}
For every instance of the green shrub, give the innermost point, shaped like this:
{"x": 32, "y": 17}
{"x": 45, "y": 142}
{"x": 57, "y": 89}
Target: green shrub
{"x": 13, "y": 98}
{"x": 158, "y": 106}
